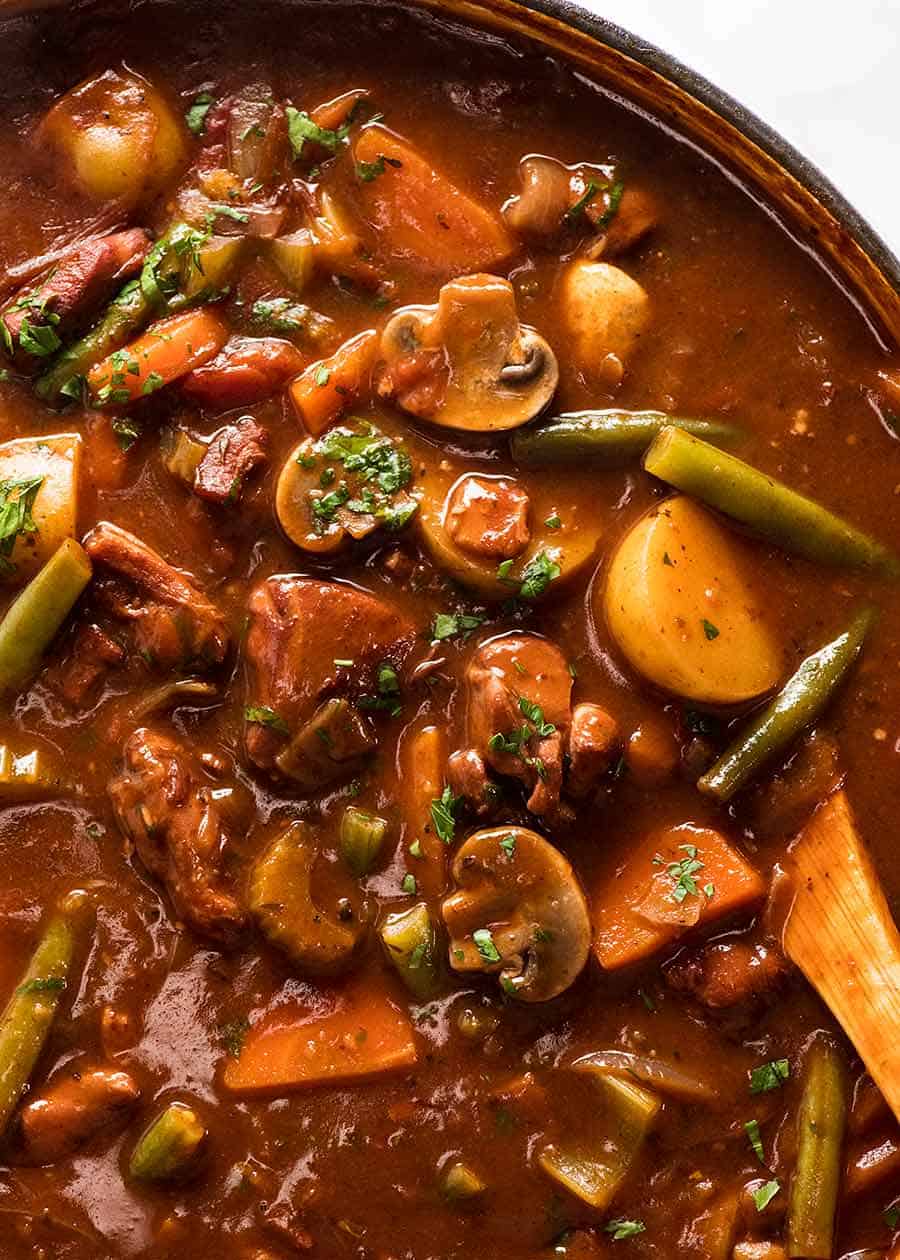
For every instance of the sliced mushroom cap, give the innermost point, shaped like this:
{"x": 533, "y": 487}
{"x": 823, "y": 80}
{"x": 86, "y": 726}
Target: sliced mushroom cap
{"x": 281, "y": 900}
{"x": 519, "y": 912}
{"x": 467, "y": 362}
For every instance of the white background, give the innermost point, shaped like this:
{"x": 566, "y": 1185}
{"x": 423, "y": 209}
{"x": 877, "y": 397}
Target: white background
{"x": 825, "y": 73}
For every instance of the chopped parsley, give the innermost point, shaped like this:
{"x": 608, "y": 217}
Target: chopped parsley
{"x": 763, "y": 1195}
{"x": 387, "y": 698}
{"x": 554, "y": 521}
{"x": 769, "y": 1076}
{"x": 613, "y": 201}
{"x": 621, "y": 1228}
{"x": 17, "y": 496}
{"x": 408, "y": 884}
{"x": 711, "y": 631}
{"x": 751, "y": 1128}
{"x": 415, "y": 849}
{"x": 302, "y": 129}
{"x": 535, "y": 714}
{"x": 281, "y": 314}
{"x": 228, "y": 212}
{"x": 683, "y": 872}
{"x": 448, "y": 625}
{"x": 38, "y": 339}
{"x": 152, "y": 383}
{"x": 195, "y": 114}
{"x": 126, "y": 431}
{"x": 892, "y": 1215}
{"x": 537, "y": 575}
{"x": 232, "y": 1036}
{"x": 508, "y": 845}
{"x": 371, "y": 454}
{"x": 367, "y": 171}
{"x": 262, "y": 715}
{"x": 484, "y": 943}
{"x": 42, "y": 984}
{"x": 323, "y": 375}
{"x": 443, "y": 814}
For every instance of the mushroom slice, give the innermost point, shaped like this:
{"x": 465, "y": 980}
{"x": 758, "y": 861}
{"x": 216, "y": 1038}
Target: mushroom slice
{"x": 518, "y": 912}
{"x": 281, "y": 900}
{"x": 350, "y": 483}
{"x": 467, "y": 363}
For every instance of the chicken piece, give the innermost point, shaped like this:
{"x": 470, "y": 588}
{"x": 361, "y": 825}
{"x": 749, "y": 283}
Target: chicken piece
{"x": 298, "y": 628}
{"x": 92, "y": 656}
{"x": 593, "y": 745}
{"x": 518, "y": 713}
{"x": 174, "y": 622}
{"x": 728, "y": 973}
{"x": 245, "y": 371}
{"x": 233, "y": 453}
{"x": 80, "y": 282}
{"x": 488, "y": 516}
{"x": 73, "y": 1109}
{"x": 635, "y": 217}
{"x": 174, "y": 814}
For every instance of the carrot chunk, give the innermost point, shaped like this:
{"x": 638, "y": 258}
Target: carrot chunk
{"x": 330, "y": 385}
{"x": 421, "y": 215}
{"x": 675, "y": 880}
{"x": 168, "y": 350}
{"x": 363, "y": 1035}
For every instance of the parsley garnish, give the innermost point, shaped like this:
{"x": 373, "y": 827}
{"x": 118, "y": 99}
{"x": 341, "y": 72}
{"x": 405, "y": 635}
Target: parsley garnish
{"x": 535, "y": 714}
{"x": 508, "y": 845}
{"x": 232, "y": 1036}
{"x": 443, "y": 814}
{"x": 228, "y": 212}
{"x": 554, "y": 521}
{"x": 613, "y": 201}
{"x": 388, "y": 687}
{"x": 484, "y": 943}
{"x": 537, "y": 575}
{"x": 126, "y": 431}
{"x": 446, "y": 625}
{"x": 575, "y": 212}
{"x": 301, "y": 128}
{"x": 152, "y": 383}
{"x": 38, "y": 339}
{"x": 624, "y": 1229}
{"x": 262, "y": 715}
{"x": 280, "y": 314}
{"x": 408, "y": 883}
{"x": 323, "y": 375}
{"x": 711, "y": 631}
{"x": 891, "y": 1215}
{"x": 415, "y": 849}
{"x": 42, "y": 984}
{"x": 683, "y": 873}
{"x": 770, "y": 1076}
{"x": 195, "y": 114}
{"x": 367, "y": 171}
{"x": 17, "y": 498}
{"x": 751, "y": 1128}
{"x": 764, "y": 1195}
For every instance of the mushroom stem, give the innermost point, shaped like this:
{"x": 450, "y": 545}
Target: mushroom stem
{"x": 527, "y": 370}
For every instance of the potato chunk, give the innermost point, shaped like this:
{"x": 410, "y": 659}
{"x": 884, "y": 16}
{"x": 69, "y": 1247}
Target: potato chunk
{"x": 679, "y": 602}
{"x": 119, "y": 137}
{"x": 606, "y": 314}
{"x": 56, "y": 460}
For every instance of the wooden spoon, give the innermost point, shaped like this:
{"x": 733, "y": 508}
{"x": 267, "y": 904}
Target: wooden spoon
{"x": 841, "y": 935}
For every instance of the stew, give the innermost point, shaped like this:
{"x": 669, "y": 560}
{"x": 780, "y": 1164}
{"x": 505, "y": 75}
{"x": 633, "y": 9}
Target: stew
{"x": 449, "y": 537}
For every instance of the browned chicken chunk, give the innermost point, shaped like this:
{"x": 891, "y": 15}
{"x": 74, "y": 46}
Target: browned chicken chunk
{"x": 234, "y": 452}
{"x": 727, "y": 973}
{"x": 167, "y": 806}
{"x": 593, "y": 746}
{"x": 488, "y": 516}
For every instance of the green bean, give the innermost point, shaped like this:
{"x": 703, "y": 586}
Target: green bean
{"x": 767, "y": 506}
{"x": 362, "y": 835}
{"x": 168, "y": 1147}
{"x": 460, "y": 1184}
{"x": 820, "y": 1137}
{"x": 800, "y": 701}
{"x": 126, "y": 315}
{"x": 28, "y": 1015}
{"x": 607, "y": 439}
{"x": 36, "y": 614}
{"x": 409, "y": 942}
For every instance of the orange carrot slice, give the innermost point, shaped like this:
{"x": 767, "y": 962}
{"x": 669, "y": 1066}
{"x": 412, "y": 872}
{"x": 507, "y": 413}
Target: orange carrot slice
{"x": 677, "y": 879}
{"x": 168, "y": 350}
{"x": 330, "y": 385}
{"x": 363, "y": 1035}
{"x": 420, "y": 214}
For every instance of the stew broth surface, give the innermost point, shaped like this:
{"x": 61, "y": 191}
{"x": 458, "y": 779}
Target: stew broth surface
{"x": 745, "y": 327}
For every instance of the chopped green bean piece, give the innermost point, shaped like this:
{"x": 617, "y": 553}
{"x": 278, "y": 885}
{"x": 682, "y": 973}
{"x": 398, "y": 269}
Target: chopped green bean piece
{"x": 36, "y": 614}
{"x": 362, "y": 835}
{"x": 29, "y": 1013}
{"x": 767, "y": 506}
{"x": 409, "y": 941}
{"x": 820, "y": 1138}
{"x": 169, "y": 1146}
{"x": 800, "y": 701}
{"x": 607, "y": 439}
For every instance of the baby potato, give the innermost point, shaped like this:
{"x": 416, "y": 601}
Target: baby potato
{"x": 118, "y": 136}
{"x": 679, "y": 602}
{"x": 605, "y": 312}
{"x": 54, "y": 463}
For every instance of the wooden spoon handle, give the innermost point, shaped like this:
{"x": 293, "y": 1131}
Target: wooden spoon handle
{"x": 841, "y": 935}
